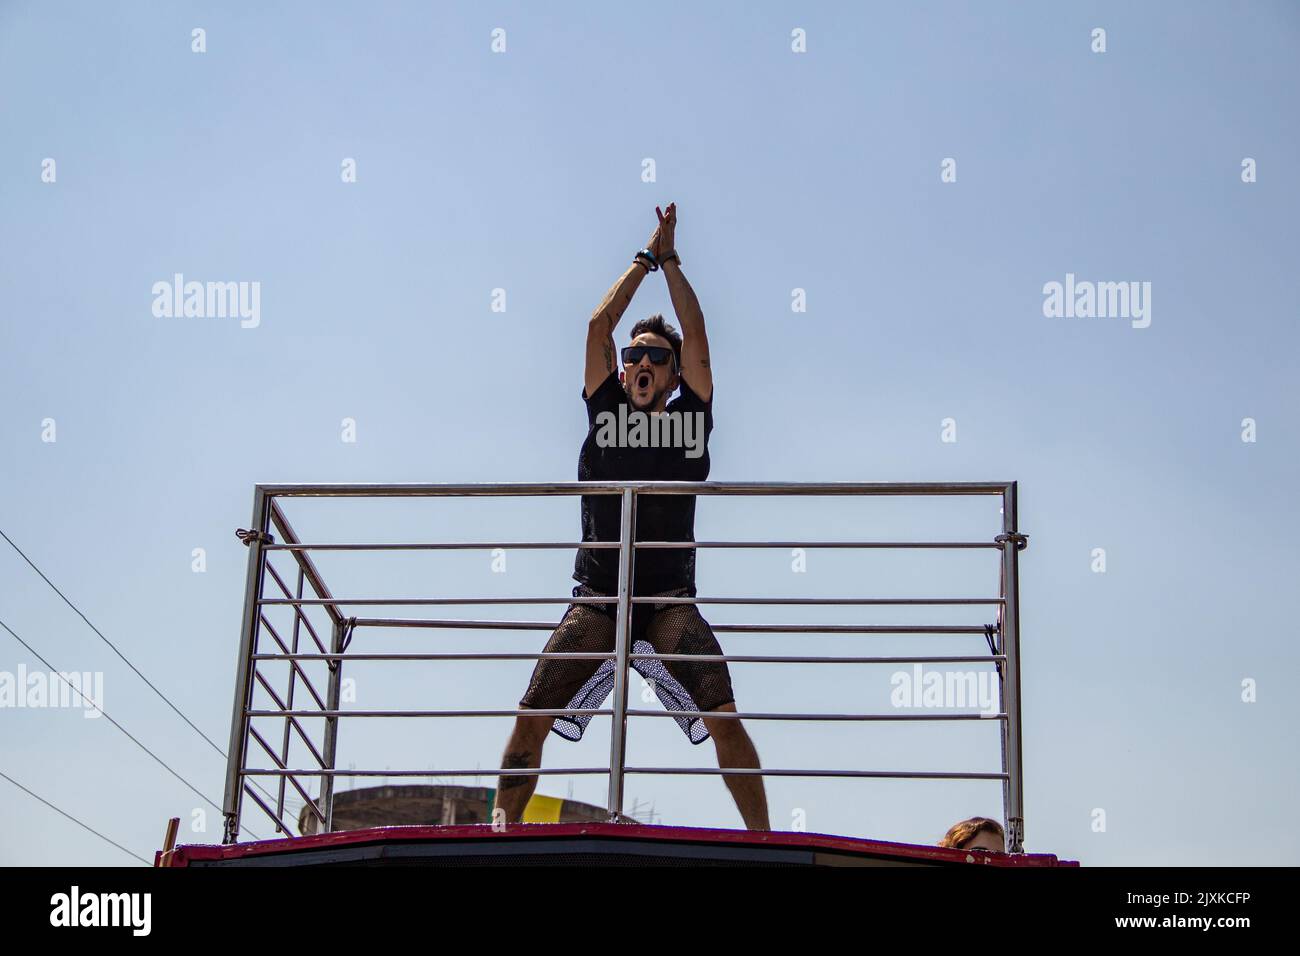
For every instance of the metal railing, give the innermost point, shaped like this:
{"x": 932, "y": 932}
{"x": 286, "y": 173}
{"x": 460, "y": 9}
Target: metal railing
{"x": 270, "y": 532}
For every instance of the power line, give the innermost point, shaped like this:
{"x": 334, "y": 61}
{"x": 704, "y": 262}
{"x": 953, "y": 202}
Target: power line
{"x": 255, "y": 783}
{"x": 72, "y": 818}
{"x": 161, "y": 762}
{"x": 111, "y": 644}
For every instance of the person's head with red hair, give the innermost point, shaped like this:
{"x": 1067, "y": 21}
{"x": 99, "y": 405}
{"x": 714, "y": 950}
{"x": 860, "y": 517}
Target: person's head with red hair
{"x": 977, "y": 833}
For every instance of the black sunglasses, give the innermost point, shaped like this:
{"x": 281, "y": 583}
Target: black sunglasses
{"x": 658, "y": 354}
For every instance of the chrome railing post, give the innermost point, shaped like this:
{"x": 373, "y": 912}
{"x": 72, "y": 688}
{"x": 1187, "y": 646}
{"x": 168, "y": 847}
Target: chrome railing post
{"x": 1000, "y": 631}
{"x": 622, "y": 641}
{"x": 1012, "y": 541}
{"x": 288, "y": 700}
{"x": 330, "y": 748}
{"x": 236, "y": 753}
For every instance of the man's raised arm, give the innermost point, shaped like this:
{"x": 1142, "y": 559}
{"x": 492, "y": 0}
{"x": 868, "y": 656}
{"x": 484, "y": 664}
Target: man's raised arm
{"x": 601, "y": 354}
{"x": 695, "y": 341}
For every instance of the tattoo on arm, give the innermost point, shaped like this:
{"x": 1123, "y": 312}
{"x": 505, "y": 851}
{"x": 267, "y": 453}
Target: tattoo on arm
{"x": 609, "y": 357}
{"x": 516, "y": 760}
{"x": 705, "y": 361}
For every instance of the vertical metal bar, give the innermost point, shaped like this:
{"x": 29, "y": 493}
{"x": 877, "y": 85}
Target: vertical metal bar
{"x": 618, "y": 733}
{"x": 1011, "y": 647}
{"x": 1002, "y": 682}
{"x": 331, "y": 729}
{"x": 238, "y": 749}
{"x": 288, "y": 700}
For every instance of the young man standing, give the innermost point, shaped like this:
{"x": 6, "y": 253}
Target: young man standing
{"x": 656, "y": 362}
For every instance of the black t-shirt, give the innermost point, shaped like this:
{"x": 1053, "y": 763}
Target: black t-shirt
{"x": 658, "y": 517}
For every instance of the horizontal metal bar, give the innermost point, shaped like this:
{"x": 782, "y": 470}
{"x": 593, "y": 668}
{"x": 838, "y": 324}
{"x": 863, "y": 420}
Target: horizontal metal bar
{"x": 569, "y": 655}
{"x": 761, "y": 772}
{"x": 557, "y": 712}
{"x": 453, "y": 546}
{"x": 649, "y": 599}
{"x": 544, "y": 656}
{"x": 457, "y": 624}
{"x": 423, "y": 601}
{"x": 471, "y": 624}
{"x": 496, "y": 489}
{"x": 817, "y": 544}
{"x": 763, "y": 659}
{"x": 730, "y": 715}
{"x": 545, "y": 771}
{"x": 541, "y": 545}
{"x": 723, "y": 715}
{"x": 848, "y": 628}
{"x": 526, "y": 772}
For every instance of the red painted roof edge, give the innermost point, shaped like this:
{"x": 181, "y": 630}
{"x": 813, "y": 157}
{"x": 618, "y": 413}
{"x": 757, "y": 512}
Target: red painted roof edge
{"x": 542, "y": 831}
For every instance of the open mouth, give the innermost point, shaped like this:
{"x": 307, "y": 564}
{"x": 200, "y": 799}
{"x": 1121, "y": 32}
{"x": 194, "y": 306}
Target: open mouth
{"x": 643, "y": 381}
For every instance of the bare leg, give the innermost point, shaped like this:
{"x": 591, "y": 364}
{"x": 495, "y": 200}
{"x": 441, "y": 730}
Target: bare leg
{"x": 523, "y": 750}
{"x": 736, "y": 750}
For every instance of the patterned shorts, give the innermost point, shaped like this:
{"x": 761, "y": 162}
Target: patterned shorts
{"x": 656, "y": 629}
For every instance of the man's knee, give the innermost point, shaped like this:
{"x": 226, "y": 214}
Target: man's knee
{"x": 724, "y": 729}
{"x": 532, "y": 731}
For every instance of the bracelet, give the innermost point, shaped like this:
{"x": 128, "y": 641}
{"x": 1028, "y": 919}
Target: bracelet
{"x": 669, "y": 256}
{"x": 647, "y": 255}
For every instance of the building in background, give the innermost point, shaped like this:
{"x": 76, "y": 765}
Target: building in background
{"x": 430, "y": 805}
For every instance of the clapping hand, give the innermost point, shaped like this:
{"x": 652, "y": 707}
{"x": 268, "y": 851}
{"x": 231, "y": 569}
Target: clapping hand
{"x": 667, "y": 228}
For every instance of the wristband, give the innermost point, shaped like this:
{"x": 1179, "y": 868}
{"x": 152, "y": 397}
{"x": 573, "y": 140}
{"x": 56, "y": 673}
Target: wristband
{"x": 669, "y": 256}
{"x": 647, "y": 255}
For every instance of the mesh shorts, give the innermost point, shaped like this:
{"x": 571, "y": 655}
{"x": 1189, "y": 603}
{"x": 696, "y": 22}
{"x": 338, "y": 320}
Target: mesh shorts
{"x": 656, "y": 629}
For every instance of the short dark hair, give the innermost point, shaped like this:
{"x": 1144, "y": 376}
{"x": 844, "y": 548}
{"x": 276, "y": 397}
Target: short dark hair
{"x": 658, "y": 326}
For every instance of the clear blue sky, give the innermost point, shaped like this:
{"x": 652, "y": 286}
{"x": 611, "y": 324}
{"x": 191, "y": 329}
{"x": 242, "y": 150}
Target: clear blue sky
{"x": 522, "y": 171}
